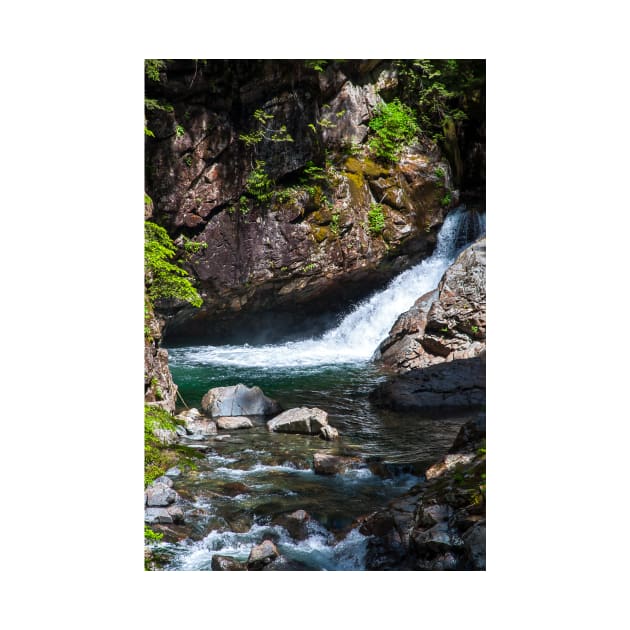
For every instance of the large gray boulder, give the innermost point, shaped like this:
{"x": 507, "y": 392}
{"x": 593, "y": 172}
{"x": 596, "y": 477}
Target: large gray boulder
{"x": 305, "y": 420}
{"x": 446, "y": 324}
{"x": 238, "y": 400}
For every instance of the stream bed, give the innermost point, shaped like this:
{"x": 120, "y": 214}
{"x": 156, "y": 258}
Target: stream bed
{"x": 248, "y": 480}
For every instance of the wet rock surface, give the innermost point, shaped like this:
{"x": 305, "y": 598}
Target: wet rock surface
{"x": 262, "y": 555}
{"x": 443, "y": 389}
{"x": 440, "y": 525}
{"x": 309, "y": 421}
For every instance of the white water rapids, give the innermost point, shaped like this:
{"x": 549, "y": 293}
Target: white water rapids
{"x": 359, "y": 333}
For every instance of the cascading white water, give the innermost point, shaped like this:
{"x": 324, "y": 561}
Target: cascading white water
{"x": 359, "y": 333}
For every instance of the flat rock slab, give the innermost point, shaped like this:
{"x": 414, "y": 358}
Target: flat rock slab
{"x": 227, "y": 563}
{"x": 238, "y": 400}
{"x": 445, "y": 388}
{"x": 157, "y": 515}
{"x": 234, "y": 422}
{"x": 299, "y": 420}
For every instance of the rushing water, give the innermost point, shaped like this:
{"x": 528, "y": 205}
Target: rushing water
{"x": 248, "y": 480}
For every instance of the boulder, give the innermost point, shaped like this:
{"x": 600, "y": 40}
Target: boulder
{"x": 328, "y": 433}
{"x": 446, "y": 324}
{"x": 295, "y": 523}
{"x": 227, "y": 563}
{"x": 475, "y": 545}
{"x": 233, "y": 423}
{"x": 238, "y": 400}
{"x": 160, "y": 495}
{"x": 299, "y": 420}
{"x": 176, "y": 513}
{"x": 165, "y": 480}
{"x": 262, "y": 555}
{"x": 327, "y": 464}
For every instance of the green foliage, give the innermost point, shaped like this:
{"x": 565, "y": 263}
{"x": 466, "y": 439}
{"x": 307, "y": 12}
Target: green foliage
{"x": 179, "y": 131}
{"x": 474, "y": 329}
{"x": 158, "y": 458}
{"x": 243, "y": 205}
{"x": 152, "y": 68}
{"x": 334, "y": 224}
{"x": 326, "y": 124}
{"x": 153, "y": 104}
{"x": 147, "y": 199}
{"x": 376, "y": 218}
{"x": 148, "y": 132}
{"x": 188, "y": 160}
{"x": 192, "y": 248}
{"x": 264, "y": 132}
{"x": 151, "y": 536}
{"x": 318, "y": 65}
{"x": 394, "y": 126}
{"x": 259, "y": 185}
{"x": 313, "y": 173}
{"x": 311, "y": 126}
{"x": 439, "y": 89}
{"x": 309, "y": 267}
{"x": 439, "y": 172}
{"x": 446, "y": 200}
{"x": 162, "y": 278}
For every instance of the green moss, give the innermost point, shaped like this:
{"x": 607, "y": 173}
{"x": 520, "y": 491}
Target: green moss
{"x": 365, "y": 166}
{"x": 320, "y": 234}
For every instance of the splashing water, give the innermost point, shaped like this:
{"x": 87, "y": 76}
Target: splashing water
{"x": 359, "y": 333}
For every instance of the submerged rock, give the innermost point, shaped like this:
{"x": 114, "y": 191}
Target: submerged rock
{"x": 327, "y": 464}
{"x": 233, "y": 423}
{"x": 261, "y": 555}
{"x": 238, "y": 400}
{"x": 299, "y": 420}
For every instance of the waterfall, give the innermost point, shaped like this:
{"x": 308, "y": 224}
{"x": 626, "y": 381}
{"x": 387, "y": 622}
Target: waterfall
{"x": 359, "y": 333}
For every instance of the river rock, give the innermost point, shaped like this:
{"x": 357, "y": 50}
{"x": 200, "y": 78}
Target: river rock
{"x": 160, "y": 495}
{"x": 262, "y": 555}
{"x": 233, "y": 423}
{"x": 448, "y": 462}
{"x": 201, "y": 426}
{"x": 327, "y": 464}
{"x": 328, "y": 433}
{"x": 295, "y": 523}
{"x": 227, "y": 563}
{"x": 166, "y": 436}
{"x": 176, "y": 513}
{"x": 157, "y": 515}
{"x": 165, "y": 480}
{"x": 299, "y": 420}
{"x": 173, "y": 472}
{"x": 238, "y": 400}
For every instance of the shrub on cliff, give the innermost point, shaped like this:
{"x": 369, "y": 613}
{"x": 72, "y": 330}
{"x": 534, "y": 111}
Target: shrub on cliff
{"x": 162, "y": 278}
{"x": 394, "y": 126}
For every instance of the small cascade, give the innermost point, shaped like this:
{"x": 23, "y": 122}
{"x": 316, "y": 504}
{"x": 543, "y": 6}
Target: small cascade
{"x": 358, "y": 334}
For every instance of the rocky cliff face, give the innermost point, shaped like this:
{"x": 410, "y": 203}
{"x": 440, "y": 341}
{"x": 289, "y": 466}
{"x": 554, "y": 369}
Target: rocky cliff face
{"x": 446, "y": 324}
{"x": 298, "y": 227}
{"x": 159, "y": 388}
